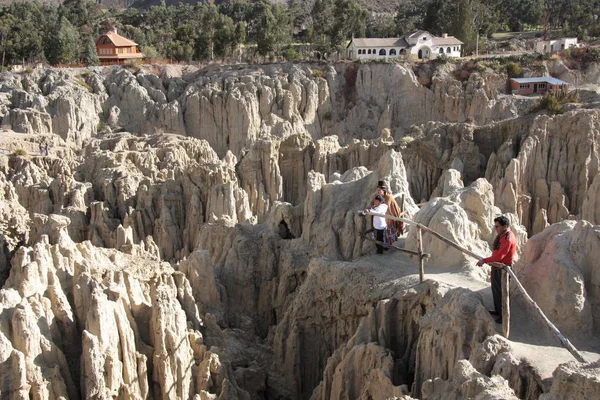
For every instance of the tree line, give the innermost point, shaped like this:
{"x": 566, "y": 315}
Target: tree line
{"x": 38, "y": 32}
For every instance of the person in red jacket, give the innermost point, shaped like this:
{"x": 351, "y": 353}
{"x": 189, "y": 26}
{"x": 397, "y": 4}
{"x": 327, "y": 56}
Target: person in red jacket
{"x": 503, "y": 251}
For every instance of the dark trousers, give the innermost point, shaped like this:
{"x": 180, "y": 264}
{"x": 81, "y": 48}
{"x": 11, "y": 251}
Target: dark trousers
{"x": 497, "y": 289}
{"x": 379, "y": 238}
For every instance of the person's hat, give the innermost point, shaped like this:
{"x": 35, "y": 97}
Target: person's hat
{"x": 381, "y": 184}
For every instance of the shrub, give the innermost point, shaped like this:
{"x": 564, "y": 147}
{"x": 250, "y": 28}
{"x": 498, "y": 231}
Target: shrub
{"x": 442, "y": 59}
{"x": 290, "y": 54}
{"x": 317, "y": 73}
{"x": 29, "y": 70}
{"x": 513, "y": 70}
{"x": 549, "y": 103}
{"x": 133, "y": 65}
{"x": 19, "y": 153}
{"x": 406, "y": 140}
{"x": 327, "y": 116}
{"x": 553, "y": 102}
{"x": 84, "y": 84}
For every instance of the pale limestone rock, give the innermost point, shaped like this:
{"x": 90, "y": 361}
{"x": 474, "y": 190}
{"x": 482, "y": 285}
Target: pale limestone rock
{"x": 590, "y": 210}
{"x": 30, "y": 121}
{"x": 198, "y": 268}
{"x": 556, "y": 269}
{"x": 466, "y": 325}
{"x": 449, "y": 183}
{"x": 435, "y": 149}
{"x": 390, "y": 325}
{"x": 575, "y": 381}
{"x": 538, "y": 183}
{"x": 493, "y": 357}
{"x": 467, "y": 383}
{"x": 331, "y": 225}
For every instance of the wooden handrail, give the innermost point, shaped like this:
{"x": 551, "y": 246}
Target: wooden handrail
{"x": 563, "y": 340}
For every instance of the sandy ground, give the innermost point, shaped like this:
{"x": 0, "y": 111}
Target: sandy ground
{"x": 530, "y": 338}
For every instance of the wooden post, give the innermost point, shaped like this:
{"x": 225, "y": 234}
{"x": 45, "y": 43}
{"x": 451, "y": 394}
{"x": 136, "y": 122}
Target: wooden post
{"x": 505, "y": 304}
{"x": 420, "y": 249}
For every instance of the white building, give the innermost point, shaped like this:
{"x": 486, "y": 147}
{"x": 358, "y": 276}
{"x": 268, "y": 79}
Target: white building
{"x": 419, "y": 44}
{"x": 550, "y": 46}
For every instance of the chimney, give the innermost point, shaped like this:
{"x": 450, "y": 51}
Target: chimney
{"x": 444, "y": 35}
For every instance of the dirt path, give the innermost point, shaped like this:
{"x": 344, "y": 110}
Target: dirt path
{"x": 530, "y": 338}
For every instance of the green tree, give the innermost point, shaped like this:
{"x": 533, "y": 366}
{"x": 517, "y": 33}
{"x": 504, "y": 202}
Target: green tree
{"x": 350, "y": 20}
{"x": 240, "y": 33}
{"x": 64, "y": 47}
{"x": 322, "y": 26}
{"x": 7, "y": 23}
{"x": 467, "y": 19}
{"x": 411, "y": 15}
{"x": 381, "y": 25}
{"x": 90, "y": 55}
{"x": 518, "y": 13}
{"x": 579, "y": 19}
{"x": 224, "y": 37}
{"x": 272, "y": 28}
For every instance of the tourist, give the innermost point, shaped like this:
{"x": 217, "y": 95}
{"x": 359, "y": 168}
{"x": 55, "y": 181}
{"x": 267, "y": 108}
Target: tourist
{"x": 503, "y": 251}
{"x": 394, "y": 228}
{"x": 46, "y": 149}
{"x": 41, "y": 149}
{"x": 379, "y": 224}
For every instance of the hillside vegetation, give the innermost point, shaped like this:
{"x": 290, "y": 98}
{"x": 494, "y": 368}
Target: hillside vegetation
{"x": 65, "y": 34}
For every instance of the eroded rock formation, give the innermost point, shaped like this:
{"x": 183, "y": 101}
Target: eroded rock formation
{"x": 224, "y": 258}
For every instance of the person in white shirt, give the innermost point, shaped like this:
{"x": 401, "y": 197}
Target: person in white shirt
{"x": 379, "y": 224}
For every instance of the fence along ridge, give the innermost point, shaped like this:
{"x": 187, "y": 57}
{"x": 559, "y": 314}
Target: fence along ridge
{"x": 507, "y": 269}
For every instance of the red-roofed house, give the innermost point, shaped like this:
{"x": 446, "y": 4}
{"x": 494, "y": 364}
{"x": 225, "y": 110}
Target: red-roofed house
{"x": 113, "y": 48}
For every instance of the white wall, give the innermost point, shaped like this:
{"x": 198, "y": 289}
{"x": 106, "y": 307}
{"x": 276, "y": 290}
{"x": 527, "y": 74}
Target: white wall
{"x": 454, "y": 51}
{"x": 555, "y": 45}
{"x": 375, "y": 56}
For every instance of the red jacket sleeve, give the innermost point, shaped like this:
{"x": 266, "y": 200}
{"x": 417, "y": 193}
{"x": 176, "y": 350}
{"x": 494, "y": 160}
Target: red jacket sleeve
{"x": 498, "y": 255}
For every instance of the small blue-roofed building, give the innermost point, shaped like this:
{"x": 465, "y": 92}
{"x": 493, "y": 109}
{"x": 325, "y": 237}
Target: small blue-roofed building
{"x": 537, "y": 85}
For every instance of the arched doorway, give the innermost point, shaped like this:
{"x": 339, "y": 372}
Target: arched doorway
{"x": 424, "y": 53}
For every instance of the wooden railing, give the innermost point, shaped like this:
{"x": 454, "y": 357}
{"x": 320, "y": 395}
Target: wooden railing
{"x": 507, "y": 271}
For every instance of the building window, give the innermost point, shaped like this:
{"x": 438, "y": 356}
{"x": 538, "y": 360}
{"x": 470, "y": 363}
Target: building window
{"x": 129, "y": 49}
{"x": 448, "y": 50}
{"x": 424, "y": 38}
{"x": 369, "y": 51}
{"x": 562, "y": 46}
{"x": 441, "y": 50}
{"x": 541, "y": 86}
{"x": 382, "y": 52}
{"x": 524, "y": 86}
{"x": 392, "y": 52}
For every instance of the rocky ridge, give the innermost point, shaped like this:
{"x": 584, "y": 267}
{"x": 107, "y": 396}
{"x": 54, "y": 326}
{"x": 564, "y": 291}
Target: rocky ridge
{"x": 224, "y": 259}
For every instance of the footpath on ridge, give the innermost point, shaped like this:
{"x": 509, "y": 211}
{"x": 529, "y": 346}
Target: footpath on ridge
{"x": 529, "y": 338}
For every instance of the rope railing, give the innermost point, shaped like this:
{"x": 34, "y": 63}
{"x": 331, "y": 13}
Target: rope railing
{"x": 505, "y": 287}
